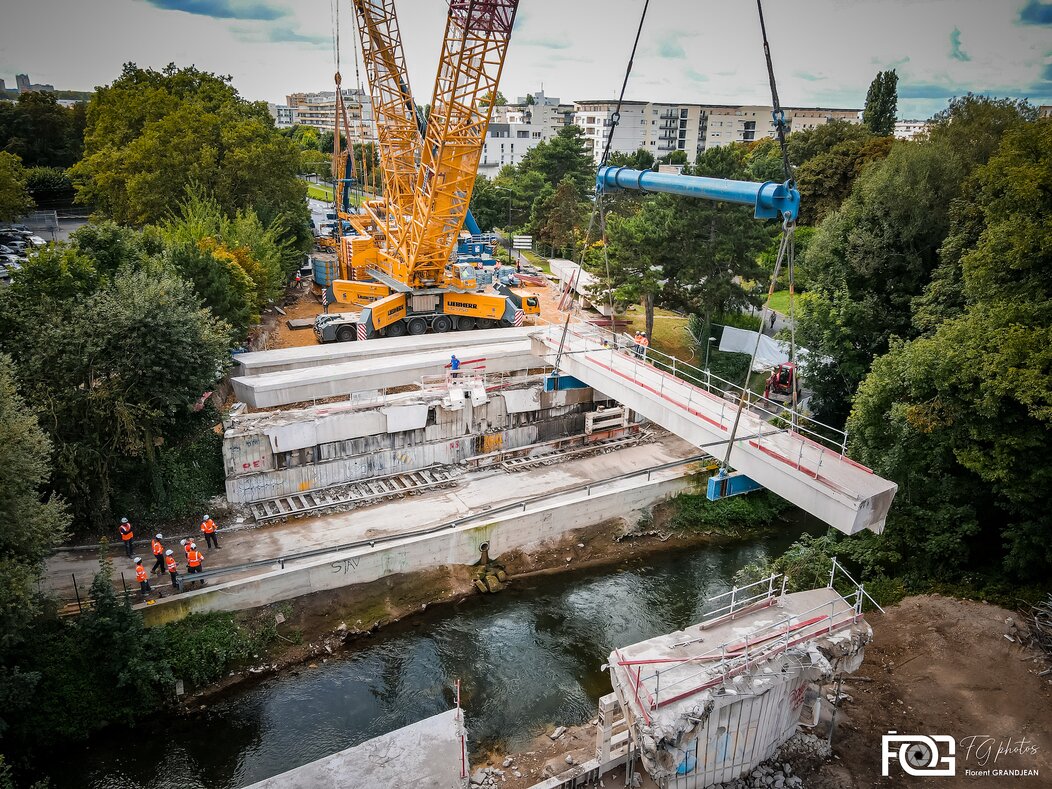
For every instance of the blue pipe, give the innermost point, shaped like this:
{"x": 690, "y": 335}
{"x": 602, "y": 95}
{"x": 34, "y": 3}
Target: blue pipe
{"x": 770, "y": 200}
{"x": 471, "y": 224}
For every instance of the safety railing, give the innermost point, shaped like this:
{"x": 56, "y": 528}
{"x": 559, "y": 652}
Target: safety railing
{"x": 736, "y": 656}
{"x": 823, "y": 436}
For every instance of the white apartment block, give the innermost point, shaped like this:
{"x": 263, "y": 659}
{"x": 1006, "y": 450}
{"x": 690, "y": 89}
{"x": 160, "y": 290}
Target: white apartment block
{"x": 507, "y": 143}
{"x": 910, "y": 130}
{"x": 318, "y": 110}
{"x": 284, "y": 116}
{"x": 662, "y": 127}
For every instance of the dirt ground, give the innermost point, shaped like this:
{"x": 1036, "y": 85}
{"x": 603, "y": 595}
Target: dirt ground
{"x": 943, "y": 666}
{"x": 937, "y": 665}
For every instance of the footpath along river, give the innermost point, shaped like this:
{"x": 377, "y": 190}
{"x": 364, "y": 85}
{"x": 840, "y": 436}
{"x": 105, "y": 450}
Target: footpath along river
{"x": 527, "y": 658}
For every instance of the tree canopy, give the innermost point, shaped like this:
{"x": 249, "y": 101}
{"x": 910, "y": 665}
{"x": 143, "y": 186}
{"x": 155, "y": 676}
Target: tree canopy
{"x": 40, "y": 131}
{"x": 14, "y": 196}
{"x": 882, "y": 103}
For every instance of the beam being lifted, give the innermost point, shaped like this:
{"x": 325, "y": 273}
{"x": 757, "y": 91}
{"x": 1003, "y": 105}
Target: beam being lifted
{"x": 770, "y": 200}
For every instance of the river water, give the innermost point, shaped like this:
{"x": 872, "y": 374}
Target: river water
{"x": 527, "y": 658}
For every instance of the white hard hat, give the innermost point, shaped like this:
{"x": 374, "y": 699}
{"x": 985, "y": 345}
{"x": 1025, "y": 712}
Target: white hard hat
{"x": 138, "y": 560}
{"x": 182, "y": 542}
{"x": 208, "y": 517}
{"x": 159, "y": 536}
{"x": 193, "y": 545}
{"x": 124, "y": 520}
{"x": 168, "y": 552}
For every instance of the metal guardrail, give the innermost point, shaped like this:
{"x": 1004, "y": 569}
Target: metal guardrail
{"x": 520, "y": 506}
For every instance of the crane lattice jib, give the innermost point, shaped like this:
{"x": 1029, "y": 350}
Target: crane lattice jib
{"x": 473, "y": 50}
{"x": 398, "y": 136}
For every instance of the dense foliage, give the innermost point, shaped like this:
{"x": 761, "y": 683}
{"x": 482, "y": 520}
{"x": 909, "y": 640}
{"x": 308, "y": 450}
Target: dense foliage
{"x": 882, "y": 102}
{"x": 151, "y": 134}
{"x": 14, "y": 195}
{"x": 41, "y": 132}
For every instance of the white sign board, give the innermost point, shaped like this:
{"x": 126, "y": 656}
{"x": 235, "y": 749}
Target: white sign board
{"x": 522, "y": 242}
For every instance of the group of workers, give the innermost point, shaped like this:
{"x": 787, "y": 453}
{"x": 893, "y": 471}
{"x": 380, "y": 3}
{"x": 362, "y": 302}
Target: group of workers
{"x": 164, "y": 560}
{"x": 640, "y": 344}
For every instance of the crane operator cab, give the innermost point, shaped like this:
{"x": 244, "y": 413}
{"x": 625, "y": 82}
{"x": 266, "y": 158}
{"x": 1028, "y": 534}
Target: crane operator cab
{"x": 462, "y": 276}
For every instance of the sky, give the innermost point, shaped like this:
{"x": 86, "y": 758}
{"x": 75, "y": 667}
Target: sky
{"x": 825, "y": 52}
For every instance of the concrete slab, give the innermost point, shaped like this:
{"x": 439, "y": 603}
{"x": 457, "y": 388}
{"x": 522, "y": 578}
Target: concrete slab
{"x": 302, "y": 385}
{"x": 829, "y": 485}
{"x": 280, "y": 359}
{"x": 429, "y": 754}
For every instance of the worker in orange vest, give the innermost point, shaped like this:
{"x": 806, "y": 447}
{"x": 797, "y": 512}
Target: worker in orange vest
{"x": 194, "y": 559}
{"x": 172, "y": 567}
{"x": 186, "y": 547}
{"x": 644, "y": 343}
{"x": 158, "y": 555}
{"x": 208, "y": 529}
{"x": 126, "y": 535}
{"x": 142, "y": 577}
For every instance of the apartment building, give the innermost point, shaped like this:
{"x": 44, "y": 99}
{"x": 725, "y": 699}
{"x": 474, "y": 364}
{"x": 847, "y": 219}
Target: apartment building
{"x": 319, "y": 111}
{"x": 507, "y": 143}
{"x": 662, "y": 127}
{"x": 910, "y": 129}
{"x": 548, "y": 113}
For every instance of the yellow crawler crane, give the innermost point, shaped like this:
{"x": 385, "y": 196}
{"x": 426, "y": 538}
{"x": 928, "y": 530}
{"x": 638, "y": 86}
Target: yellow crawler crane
{"x": 403, "y": 274}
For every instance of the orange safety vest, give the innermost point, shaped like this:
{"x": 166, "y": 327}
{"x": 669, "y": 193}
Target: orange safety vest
{"x": 644, "y": 342}
{"x": 186, "y": 549}
{"x": 208, "y": 526}
{"x": 140, "y": 573}
{"x": 158, "y": 549}
{"x": 126, "y": 532}
{"x": 169, "y": 564}
{"x": 194, "y": 558}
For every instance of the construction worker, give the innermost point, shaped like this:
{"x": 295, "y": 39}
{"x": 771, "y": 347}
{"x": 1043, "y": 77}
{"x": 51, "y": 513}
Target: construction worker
{"x": 208, "y": 529}
{"x": 127, "y": 535}
{"x": 194, "y": 559}
{"x": 172, "y": 567}
{"x": 186, "y": 547}
{"x": 644, "y": 343}
{"x": 637, "y": 344}
{"x": 158, "y": 554}
{"x": 142, "y": 577}
{"x": 454, "y": 367}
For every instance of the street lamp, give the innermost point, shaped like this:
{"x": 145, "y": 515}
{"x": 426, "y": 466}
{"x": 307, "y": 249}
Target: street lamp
{"x": 707, "y": 342}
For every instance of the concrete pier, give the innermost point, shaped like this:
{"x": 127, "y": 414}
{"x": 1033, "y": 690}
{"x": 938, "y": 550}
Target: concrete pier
{"x": 429, "y": 754}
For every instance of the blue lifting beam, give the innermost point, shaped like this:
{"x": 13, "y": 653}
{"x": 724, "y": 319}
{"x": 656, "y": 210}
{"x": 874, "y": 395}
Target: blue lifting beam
{"x": 723, "y": 485}
{"x": 770, "y": 200}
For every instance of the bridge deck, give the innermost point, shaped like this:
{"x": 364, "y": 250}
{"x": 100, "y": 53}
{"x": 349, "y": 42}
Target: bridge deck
{"x": 823, "y": 481}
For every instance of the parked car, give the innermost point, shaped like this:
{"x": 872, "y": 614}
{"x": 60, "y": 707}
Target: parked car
{"x": 6, "y": 250}
{"x": 36, "y": 241}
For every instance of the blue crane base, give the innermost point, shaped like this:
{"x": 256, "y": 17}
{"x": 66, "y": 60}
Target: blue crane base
{"x": 560, "y": 383}
{"x": 723, "y": 486}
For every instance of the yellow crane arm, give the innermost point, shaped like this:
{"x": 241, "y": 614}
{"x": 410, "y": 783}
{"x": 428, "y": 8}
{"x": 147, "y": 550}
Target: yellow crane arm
{"x": 393, "y": 107}
{"x": 473, "y": 50}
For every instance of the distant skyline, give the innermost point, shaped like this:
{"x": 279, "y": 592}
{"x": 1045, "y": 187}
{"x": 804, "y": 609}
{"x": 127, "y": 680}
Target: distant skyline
{"x": 697, "y": 51}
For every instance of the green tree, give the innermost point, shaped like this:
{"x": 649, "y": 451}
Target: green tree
{"x": 825, "y": 180}
{"x": 112, "y": 368}
{"x": 882, "y": 103}
{"x": 499, "y": 101}
{"x": 153, "y": 133}
{"x": 806, "y": 144}
{"x": 562, "y": 156}
{"x": 489, "y": 204}
{"x": 559, "y": 217}
{"x": 14, "y": 197}
{"x": 642, "y": 159}
{"x": 868, "y": 261}
{"x": 42, "y": 132}
{"x": 31, "y": 525}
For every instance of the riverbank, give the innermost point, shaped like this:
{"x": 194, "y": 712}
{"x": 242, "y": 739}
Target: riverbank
{"x": 936, "y": 665}
{"x": 315, "y": 627}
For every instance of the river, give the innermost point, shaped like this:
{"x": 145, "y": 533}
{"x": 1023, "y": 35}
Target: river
{"x": 527, "y": 658}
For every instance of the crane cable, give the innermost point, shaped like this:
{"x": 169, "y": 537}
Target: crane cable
{"x": 597, "y": 209}
{"x": 786, "y": 252}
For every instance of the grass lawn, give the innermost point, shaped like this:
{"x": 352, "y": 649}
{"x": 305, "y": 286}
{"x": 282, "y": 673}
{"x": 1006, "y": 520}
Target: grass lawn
{"x": 534, "y": 259}
{"x": 669, "y": 332}
{"x": 780, "y": 301}
{"x": 320, "y": 192}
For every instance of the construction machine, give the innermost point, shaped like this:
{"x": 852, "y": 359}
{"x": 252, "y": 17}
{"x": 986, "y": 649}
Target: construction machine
{"x": 780, "y": 384}
{"x": 398, "y": 257}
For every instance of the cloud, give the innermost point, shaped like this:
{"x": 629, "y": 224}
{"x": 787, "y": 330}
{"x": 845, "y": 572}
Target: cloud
{"x": 805, "y": 75}
{"x": 1036, "y": 13}
{"x": 930, "y": 90}
{"x": 258, "y": 10}
{"x": 543, "y": 43}
{"x": 279, "y": 34}
{"x": 955, "y": 47}
{"x": 696, "y": 76}
{"x": 670, "y": 48}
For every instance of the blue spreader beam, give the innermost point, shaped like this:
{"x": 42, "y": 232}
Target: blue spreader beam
{"x": 722, "y": 486}
{"x": 770, "y": 200}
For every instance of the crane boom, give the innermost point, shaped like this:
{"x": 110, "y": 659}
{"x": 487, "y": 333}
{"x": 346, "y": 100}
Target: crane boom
{"x": 398, "y": 132}
{"x": 473, "y": 51}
